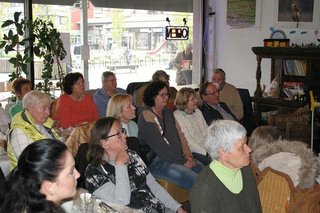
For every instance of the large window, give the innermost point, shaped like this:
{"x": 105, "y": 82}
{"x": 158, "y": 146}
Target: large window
{"x": 124, "y": 38}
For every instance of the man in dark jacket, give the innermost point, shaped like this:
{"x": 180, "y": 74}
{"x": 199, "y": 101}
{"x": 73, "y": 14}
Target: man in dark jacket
{"x": 211, "y": 108}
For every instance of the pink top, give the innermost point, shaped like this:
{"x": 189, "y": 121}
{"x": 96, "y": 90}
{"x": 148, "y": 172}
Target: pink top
{"x": 71, "y": 113}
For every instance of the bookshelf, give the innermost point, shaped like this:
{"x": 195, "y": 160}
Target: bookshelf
{"x": 297, "y": 69}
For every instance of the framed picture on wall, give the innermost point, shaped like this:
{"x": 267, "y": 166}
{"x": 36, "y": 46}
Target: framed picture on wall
{"x": 297, "y": 14}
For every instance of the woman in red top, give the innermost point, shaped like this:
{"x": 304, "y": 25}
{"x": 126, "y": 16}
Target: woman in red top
{"x": 75, "y": 106}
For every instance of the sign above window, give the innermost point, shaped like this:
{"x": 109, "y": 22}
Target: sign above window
{"x": 177, "y": 33}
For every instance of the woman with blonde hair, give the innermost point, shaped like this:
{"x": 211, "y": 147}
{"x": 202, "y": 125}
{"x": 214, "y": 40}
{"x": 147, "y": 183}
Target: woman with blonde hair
{"x": 188, "y": 116}
{"x": 120, "y": 107}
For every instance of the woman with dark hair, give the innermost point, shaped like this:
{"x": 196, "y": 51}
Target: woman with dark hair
{"x": 169, "y": 157}
{"x": 20, "y": 87}
{"x": 116, "y": 174}
{"x": 75, "y": 106}
{"x": 45, "y": 175}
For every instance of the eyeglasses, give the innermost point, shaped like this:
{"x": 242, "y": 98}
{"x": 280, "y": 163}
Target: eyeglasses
{"x": 163, "y": 95}
{"x": 119, "y": 133}
{"x": 213, "y": 93}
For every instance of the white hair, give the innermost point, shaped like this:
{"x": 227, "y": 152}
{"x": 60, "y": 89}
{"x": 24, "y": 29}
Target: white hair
{"x": 222, "y": 135}
{"x": 35, "y": 97}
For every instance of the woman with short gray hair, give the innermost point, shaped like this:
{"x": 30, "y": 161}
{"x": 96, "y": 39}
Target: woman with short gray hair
{"x": 227, "y": 184}
{"x": 32, "y": 124}
{"x": 224, "y": 134}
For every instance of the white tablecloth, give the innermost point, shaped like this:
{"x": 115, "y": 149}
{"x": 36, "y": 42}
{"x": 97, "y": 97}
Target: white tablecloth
{"x": 4, "y": 162}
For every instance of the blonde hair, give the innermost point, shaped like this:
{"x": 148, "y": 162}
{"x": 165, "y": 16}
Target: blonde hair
{"x": 116, "y": 104}
{"x": 182, "y": 97}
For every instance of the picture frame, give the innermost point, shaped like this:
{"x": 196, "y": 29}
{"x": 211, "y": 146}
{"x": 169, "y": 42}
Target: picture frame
{"x": 284, "y": 14}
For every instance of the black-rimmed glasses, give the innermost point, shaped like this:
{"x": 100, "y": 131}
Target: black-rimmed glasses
{"x": 163, "y": 95}
{"x": 119, "y": 133}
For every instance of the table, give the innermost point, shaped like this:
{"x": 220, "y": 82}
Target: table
{"x": 4, "y": 162}
{"x": 83, "y": 202}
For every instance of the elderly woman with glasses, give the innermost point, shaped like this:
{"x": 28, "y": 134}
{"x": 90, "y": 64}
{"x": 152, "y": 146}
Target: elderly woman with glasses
{"x": 168, "y": 156}
{"x": 227, "y": 184}
{"x": 116, "y": 174}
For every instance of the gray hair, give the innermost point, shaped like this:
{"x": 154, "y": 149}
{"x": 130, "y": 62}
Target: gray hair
{"x": 221, "y": 72}
{"x": 223, "y": 134}
{"x": 35, "y": 97}
{"x": 106, "y": 74}
{"x": 158, "y": 74}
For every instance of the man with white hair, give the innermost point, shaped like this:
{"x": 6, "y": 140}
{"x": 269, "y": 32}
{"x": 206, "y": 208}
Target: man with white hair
{"x": 227, "y": 93}
{"x": 109, "y": 89}
{"x": 31, "y": 124}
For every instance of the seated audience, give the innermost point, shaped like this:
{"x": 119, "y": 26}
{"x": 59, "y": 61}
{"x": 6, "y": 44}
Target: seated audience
{"x": 169, "y": 156}
{"x": 75, "y": 106}
{"x": 109, "y": 89}
{"x": 227, "y": 184}
{"x": 212, "y": 109}
{"x": 192, "y": 123}
{"x": 290, "y": 157}
{"x": 159, "y": 75}
{"x": 32, "y": 124}
{"x": 20, "y": 86}
{"x": 120, "y": 107}
{"x": 228, "y": 93}
{"x": 45, "y": 175}
{"x": 116, "y": 174}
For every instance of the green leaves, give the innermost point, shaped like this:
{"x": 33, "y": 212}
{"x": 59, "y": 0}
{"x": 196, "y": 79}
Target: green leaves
{"x": 47, "y": 45}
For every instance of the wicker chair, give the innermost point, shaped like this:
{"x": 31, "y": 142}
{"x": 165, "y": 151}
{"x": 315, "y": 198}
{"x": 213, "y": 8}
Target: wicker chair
{"x": 179, "y": 194}
{"x": 275, "y": 189}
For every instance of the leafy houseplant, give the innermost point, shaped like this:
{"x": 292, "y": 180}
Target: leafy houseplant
{"x": 14, "y": 42}
{"x": 47, "y": 45}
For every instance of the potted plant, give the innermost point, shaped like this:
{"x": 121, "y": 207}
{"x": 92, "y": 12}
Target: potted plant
{"x": 14, "y": 44}
{"x": 47, "y": 45}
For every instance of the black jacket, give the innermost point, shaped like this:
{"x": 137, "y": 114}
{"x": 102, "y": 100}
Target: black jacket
{"x": 210, "y": 114}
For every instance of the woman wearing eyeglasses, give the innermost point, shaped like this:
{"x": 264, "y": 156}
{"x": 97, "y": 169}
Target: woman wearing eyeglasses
{"x": 116, "y": 174}
{"x": 75, "y": 106}
{"x": 169, "y": 157}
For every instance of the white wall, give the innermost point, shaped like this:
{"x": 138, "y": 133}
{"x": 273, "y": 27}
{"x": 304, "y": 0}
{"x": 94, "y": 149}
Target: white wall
{"x": 233, "y": 46}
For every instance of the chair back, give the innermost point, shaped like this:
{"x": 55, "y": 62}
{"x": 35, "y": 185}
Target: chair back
{"x": 248, "y": 120}
{"x": 178, "y": 193}
{"x": 275, "y": 189}
{"x": 133, "y": 86}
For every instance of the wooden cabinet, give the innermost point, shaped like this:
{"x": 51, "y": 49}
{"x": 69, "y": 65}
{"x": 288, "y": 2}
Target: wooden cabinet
{"x": 309, "y": 80}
